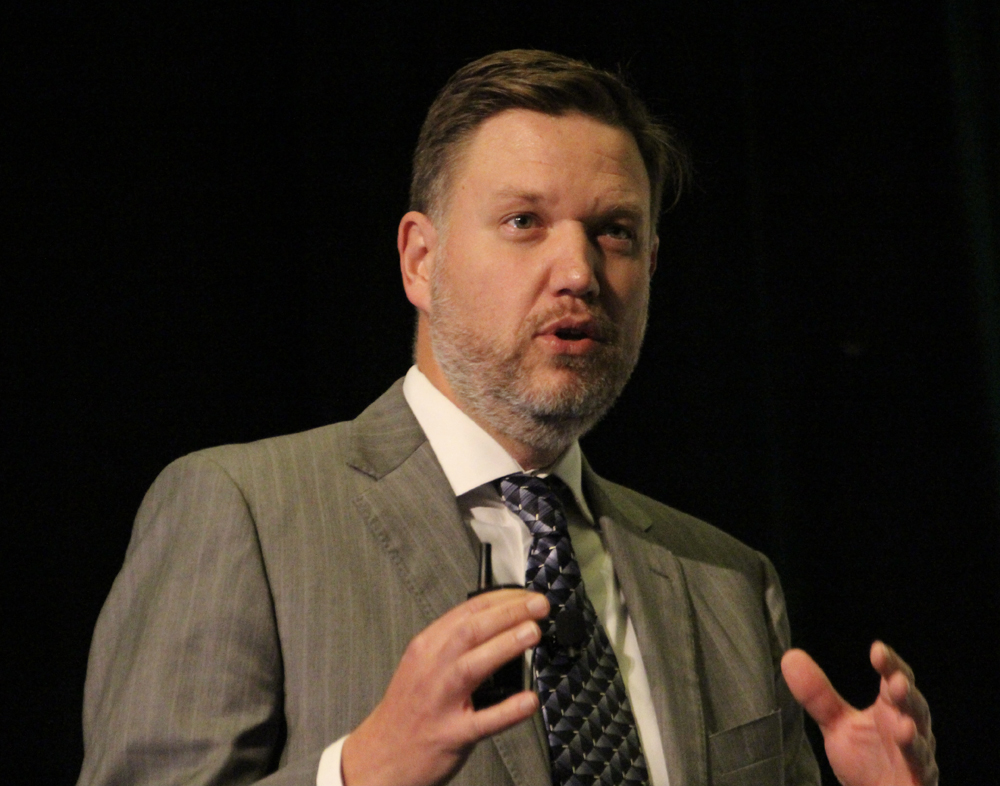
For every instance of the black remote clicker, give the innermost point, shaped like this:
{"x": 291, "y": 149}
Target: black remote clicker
{"x": 509, "y": 678}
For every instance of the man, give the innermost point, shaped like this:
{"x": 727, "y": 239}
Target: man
{"x": 292, "y": 611}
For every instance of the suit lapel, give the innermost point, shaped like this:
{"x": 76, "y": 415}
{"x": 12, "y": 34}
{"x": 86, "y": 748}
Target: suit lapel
{"x": 656, "y": 596}
{"x": 412, "y": 512}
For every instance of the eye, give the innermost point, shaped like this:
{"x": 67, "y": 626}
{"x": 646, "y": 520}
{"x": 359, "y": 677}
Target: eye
{"x": 523, "y": 221}
{"x": 619, "y": 232}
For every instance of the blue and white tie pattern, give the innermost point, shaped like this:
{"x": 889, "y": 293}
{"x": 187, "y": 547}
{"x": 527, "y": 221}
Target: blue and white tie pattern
{"x": 591, "y": 730}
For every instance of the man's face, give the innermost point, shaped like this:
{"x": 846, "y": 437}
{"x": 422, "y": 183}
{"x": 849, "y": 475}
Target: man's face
{"x": 540, "y": 287}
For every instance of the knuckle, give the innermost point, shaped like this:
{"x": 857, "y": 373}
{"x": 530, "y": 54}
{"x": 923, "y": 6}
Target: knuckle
{"x": 477, "y": 728}
{"x": 419, "y": 645}
{"x": 465, "y": 673}
{"x": 478, "y": 602}
{"x": 470, "y": 633}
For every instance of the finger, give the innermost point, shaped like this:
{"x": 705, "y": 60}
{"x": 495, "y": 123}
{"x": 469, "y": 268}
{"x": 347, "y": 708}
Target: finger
{"x": 510, "y": 603}
{"x": 479, "y": 603}
{"x": 886, "y": 660}
{"x": 481, "y": 618}
{"x": 899, "y": 685}
{"x": 507, "y": 713}
{"x": 481, "y": 626}
{"x": 476, "y": 665}
{"x": 467, "y": 625}
{"x": 910, "y": 727}
{"x": 485, "y": 600}
{"x": 811, "y": 688}
{"x": 898, "y": 691}
{"x": 902, "y": 729}
{"x": 919, "y": 754}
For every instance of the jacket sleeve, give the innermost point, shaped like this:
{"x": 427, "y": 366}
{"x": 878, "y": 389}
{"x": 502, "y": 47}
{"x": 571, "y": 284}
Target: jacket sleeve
{"x": 800, "y": 762}
{"x": 184, "y": 681}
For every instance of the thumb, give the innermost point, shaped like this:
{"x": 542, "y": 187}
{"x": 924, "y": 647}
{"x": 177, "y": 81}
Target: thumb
{"x": 812, "y": 689}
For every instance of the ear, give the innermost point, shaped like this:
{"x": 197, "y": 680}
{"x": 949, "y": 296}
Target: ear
{"x": 653, "y": 251}
{"x": 417, "y": 241}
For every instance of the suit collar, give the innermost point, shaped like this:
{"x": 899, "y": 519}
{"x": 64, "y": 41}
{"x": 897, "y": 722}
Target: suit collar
{"x": 385, "y": 435}
{"x": 618, "y": 507}
{"x": 654, "y": 586}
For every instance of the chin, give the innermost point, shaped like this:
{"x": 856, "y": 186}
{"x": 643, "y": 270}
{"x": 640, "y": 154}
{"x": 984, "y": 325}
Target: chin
{"x": 567, "y": 395}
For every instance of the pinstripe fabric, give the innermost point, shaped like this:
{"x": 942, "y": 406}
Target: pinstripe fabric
{"x": 247, "y": 629}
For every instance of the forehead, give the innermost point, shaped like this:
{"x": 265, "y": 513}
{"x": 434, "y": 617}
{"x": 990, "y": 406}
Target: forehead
{"x": 561, "y": 157}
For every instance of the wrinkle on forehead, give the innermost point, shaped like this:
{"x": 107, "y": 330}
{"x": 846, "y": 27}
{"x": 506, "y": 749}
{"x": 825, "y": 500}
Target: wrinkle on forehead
{"x": 537, "y": 176}
{"x": 612, "y": 163}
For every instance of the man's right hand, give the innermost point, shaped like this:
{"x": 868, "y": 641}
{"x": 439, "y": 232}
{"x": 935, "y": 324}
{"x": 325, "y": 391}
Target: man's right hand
{"x": 425, "y": 727}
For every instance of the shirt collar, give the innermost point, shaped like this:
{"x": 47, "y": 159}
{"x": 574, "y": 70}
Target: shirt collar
{"x": 468, "y": 455}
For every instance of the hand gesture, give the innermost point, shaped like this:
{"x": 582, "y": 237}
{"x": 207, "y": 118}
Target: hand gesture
{"x": 888, "y": 744}
{"x": 425, "y": 726}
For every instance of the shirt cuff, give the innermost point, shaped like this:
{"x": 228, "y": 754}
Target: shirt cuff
{"x": 329, "y": 765}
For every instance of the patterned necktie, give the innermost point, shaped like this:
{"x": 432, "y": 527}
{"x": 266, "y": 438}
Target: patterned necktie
{"x": 588, "y": 718}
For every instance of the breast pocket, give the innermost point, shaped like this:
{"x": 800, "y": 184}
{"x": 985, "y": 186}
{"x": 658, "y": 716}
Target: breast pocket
{"x": 749, "y": 754}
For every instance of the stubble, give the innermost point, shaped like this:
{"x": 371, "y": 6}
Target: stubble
{"x": 501, "y": 381}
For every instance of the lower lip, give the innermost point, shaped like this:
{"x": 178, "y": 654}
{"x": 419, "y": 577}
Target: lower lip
{"x": 562, "y": 346}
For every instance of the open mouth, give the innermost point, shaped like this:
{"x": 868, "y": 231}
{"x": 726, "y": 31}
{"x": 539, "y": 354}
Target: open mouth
{"x": 571, "y": 334}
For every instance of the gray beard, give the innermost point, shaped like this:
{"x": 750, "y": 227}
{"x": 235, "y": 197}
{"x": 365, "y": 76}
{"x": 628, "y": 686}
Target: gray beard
{"x": 495, "y": 387}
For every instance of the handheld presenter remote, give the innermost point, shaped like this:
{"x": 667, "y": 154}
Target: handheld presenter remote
{"x": 509, "y": 678}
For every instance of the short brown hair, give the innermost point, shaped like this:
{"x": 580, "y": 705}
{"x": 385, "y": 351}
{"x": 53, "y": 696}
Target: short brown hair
{"x": 548, "y": 83}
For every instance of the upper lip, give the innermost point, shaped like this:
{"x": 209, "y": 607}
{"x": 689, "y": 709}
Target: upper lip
{"x": 581, "y": 325}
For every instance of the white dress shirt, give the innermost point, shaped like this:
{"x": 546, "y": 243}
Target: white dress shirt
{"x": 472, "y": 460}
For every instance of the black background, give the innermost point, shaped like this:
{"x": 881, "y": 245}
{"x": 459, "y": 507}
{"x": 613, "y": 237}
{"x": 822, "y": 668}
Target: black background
{"x": 200, "y": 207}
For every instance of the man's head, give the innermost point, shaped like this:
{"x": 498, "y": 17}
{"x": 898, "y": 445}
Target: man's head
{"x": 543, "y": 82}
{"x": 530, "y": 264}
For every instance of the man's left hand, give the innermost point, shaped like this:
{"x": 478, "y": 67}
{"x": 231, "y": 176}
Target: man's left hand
{"x": 888, "y": 744}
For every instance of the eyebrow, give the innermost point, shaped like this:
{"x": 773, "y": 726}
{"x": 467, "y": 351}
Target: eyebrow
{"x": 628, "y": 208}
{"x": 512, "y": 192}
{"x": 625, "y": 210}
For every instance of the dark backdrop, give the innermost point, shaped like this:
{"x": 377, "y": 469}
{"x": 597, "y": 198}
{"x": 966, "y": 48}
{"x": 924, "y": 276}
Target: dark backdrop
{"x": 200, "y": 208}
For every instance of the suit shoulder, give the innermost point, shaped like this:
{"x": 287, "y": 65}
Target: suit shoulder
{"x": 685, "y": 535}
{"x": 270, "y": 478}
{"x": 380, "y": 438}
{"x": 314, "y": 445}
{"x": 272, "y": 473}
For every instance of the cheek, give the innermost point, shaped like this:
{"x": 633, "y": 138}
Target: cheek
{"x": 473, "y": 269}
{"x": 488, "y": 304}
{"x": 499, "y": 293}
{"x": 494, "y": 300}
{"x": 627, "y": 290}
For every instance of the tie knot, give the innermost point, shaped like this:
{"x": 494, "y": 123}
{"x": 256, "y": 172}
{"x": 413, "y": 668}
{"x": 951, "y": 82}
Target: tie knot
{"x": 535, "y": 501}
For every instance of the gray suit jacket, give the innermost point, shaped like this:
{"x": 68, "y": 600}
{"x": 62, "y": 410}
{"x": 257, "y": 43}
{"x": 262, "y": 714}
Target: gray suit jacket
{"x": 269, "y": 591}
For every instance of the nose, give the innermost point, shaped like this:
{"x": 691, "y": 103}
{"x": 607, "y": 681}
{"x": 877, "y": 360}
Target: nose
{"x": 574, "y": 263}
